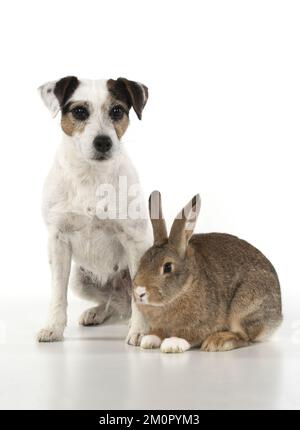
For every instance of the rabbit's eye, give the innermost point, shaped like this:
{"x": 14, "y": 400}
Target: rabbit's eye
{"x": 168, "y": 267}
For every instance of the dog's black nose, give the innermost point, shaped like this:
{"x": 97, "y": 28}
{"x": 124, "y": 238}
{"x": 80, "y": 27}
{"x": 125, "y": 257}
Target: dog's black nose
{"x": 102, "y": 143}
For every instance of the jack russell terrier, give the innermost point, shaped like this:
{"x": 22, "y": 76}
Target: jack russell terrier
{"x": 104, "y": 244}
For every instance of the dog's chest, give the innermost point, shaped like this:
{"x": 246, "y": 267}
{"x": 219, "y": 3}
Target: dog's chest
{"x": 95, "y": 244}
{"x": 78, "y": 215}
{"x": 77, "y": 206}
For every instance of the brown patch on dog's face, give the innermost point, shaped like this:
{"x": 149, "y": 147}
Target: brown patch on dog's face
{"x": 64, "y": 89}
{"x": 118, "y": 92}
{"x": 121, "y": 126}
{"x": 117, "y": 112}
{"x": 133, "y": 94}
{"x": 74, "y": 117}
{"x": 125, "y": 94}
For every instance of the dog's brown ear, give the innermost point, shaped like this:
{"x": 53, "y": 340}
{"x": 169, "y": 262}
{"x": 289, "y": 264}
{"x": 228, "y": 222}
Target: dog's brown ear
{"x": 55, "y": 94}
{"x": 133, "y": 93}
{"x": 64, "y": 88}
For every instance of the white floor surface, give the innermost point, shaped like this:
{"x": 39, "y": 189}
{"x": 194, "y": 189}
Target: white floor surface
{"x": 94, "y": 369}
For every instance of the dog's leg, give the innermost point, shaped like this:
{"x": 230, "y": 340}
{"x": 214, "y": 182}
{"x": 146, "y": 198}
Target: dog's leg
{"x": 112, "y": 297}
{"x": 85, "y": 285}
{"x": 137, "y": 326}
{"x": 60, "y": 262}
{"x": 134, "y": 249}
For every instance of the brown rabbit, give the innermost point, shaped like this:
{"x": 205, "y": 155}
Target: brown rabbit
{"x": 211, "y": 290}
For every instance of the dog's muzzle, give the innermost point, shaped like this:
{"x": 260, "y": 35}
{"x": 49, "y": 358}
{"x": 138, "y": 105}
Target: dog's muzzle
{"x": 102, "y": 145}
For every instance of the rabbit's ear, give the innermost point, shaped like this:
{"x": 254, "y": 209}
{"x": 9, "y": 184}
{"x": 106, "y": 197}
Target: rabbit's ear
{"x": 184, "y": 225}
{"x": 157, "y": 219}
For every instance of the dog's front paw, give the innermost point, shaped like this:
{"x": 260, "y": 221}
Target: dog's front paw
{"x": 150, "y": 341}
{"x": 50, "y": 334}
{"x": 175, "y": 344}
{"x": 134, "y": 338}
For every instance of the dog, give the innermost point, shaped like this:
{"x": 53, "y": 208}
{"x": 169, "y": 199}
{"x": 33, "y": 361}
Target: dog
{"x": 105, "y": 251}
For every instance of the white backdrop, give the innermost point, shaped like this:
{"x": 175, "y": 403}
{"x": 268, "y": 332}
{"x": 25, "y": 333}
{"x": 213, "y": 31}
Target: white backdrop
{"x": 222, "y": 117}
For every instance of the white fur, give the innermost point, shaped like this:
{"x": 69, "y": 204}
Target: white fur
{"x": 48, "y": 97}
{"x": 69, "y": 210}
{"x": 175, "y": 344}
{"x": 139, "y": 291}
{"x": 150, "y": 341}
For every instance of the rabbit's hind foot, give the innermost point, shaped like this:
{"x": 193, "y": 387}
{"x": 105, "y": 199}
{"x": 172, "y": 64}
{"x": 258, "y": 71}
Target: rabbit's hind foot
{"x": 223, "y": 341}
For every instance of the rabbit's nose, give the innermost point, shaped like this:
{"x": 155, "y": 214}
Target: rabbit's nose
{"x": 141, "y": 293}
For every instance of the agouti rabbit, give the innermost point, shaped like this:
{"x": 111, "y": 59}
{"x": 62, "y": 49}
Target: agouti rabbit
{"x": 211, "y": 290}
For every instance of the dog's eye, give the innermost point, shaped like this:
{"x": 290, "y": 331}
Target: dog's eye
{"x": 80, "y": 112}
{"x": 116, "y": 113}
{"x": 168, "y": 267}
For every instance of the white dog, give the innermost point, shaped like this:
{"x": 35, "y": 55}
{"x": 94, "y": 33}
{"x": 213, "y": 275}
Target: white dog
{"x": 105, "y": 247}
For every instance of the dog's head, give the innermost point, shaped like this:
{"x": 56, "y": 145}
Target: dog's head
{"x": 95, "y": 114}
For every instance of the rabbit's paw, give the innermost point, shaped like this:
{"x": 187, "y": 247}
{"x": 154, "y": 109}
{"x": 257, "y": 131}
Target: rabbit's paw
{"x": 222, "y": 341}
{"x": 174, "y": 344}
{"x": 150, "y": 341}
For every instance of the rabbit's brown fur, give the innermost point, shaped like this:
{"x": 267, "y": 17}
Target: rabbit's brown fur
{"x": 222, "y": 293}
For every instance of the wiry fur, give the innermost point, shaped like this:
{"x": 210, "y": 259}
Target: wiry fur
{"x": 104, "y": 251}
{"x": 221, "y": 294}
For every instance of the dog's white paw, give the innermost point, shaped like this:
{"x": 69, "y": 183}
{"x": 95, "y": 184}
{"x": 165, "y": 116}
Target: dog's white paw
{"x": 150, "y": 341}
{"x": 50, "y": 334}
{"x": 92, "y": 316}
{"x": 174, "y": 344}
{"x": 134, "y": 338}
